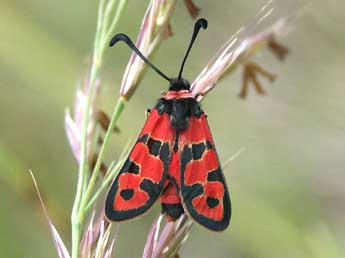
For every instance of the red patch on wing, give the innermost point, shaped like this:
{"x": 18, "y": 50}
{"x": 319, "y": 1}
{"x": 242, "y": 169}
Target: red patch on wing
{"x": 198, "y": 131}
{"x": 197, "y": 170}
{"x": 151, "y": 167}
{"x": 158, "y": 126}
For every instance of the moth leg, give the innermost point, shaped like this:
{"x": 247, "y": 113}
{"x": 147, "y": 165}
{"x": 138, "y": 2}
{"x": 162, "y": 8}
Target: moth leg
{"x": 147, "y": 112}
{"x": 163, "y": 93}
{"x": 250, "y": 74}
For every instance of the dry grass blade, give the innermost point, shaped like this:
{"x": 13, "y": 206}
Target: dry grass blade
{"x": 59, "y": 244}
{"x": 170, "y": 240}
{"x": 151, "y": 241}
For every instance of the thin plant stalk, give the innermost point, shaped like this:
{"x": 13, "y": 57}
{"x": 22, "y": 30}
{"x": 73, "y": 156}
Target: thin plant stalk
{"x": 101, "y": 37}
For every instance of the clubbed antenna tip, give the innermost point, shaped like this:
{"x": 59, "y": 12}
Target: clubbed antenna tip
{"x": 200, "y": 23}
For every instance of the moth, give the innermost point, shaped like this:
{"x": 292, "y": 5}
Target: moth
{"x": 174, "y": 159}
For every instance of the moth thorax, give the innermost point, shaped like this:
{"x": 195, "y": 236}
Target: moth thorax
{"x": 180, "y": 113}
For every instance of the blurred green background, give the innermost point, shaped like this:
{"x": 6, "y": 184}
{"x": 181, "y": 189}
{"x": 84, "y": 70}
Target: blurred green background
{"x": 288, "y": 187}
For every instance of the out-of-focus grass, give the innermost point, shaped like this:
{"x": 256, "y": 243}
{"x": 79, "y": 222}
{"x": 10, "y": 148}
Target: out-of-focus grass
{"x": 287, "y": 187}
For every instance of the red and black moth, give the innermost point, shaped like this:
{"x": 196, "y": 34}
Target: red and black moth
{"x": 174, "y": 159}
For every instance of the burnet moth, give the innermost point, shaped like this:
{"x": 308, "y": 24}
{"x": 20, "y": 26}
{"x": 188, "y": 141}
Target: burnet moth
{"x": 174, "y": 159}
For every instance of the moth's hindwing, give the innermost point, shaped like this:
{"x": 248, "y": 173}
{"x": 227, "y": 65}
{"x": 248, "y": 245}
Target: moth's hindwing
{"x": 170, "y": 198}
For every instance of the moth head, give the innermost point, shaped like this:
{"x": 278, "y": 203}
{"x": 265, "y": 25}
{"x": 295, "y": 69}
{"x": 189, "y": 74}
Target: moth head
{"x": 177, "y": 84}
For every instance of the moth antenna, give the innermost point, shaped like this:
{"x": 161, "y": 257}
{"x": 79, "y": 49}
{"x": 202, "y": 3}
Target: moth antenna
{"x": 200, "y": 23}
{"x": 128, "y": 41}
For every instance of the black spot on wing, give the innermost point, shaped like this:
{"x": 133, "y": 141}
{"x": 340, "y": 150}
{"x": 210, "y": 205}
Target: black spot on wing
{"x": 186, "y": 157}
{"x": 151, "y": 188}
{"x": 190, "y": 192}
{"x": 212, "y": 202}
{"x": 154, "y": 146}
{"x": 127, "y": 194}
{"x": 165, "y": 155}
{"x": 215, "y": 175}
{"x": 197, "y": 150}
{"x": 143, "y": 138}
{"x": 130, "y": 167}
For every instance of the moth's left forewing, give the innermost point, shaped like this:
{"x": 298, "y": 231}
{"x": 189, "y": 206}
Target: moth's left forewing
{"x": 204, "y": 191}
{"x": 141, "y": 179}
